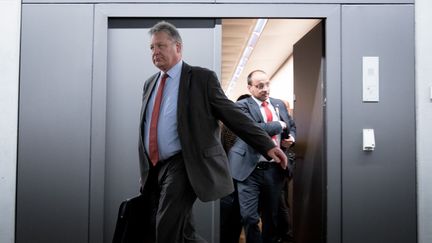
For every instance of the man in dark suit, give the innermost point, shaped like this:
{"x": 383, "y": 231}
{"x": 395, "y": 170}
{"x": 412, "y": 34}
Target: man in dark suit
{"x": 181, "y": 157}
{"x": 259, "y": 179}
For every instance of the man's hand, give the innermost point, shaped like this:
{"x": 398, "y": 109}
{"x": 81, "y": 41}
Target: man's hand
{"x": 287, "y": 142}
{"x": 279, "y": 156}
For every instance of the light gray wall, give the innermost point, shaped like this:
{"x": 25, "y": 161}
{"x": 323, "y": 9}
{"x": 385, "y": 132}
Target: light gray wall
{"x": 423, "y": 36}
{"x": 9, "y": 71}
{"x": 54, "y": 123}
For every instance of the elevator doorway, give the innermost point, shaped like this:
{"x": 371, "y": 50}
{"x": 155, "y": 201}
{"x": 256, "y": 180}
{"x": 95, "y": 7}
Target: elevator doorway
{"x": 291, "y": 52}
{"x": 129, "y": 65}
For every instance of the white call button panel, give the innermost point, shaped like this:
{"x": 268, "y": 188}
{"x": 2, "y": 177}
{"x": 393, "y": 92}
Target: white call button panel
{"x": 370, "y": 79}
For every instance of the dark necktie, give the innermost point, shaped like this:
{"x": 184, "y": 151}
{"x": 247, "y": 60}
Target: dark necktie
{"x": 269, "y": 115}
{"x": 153, "y": 137}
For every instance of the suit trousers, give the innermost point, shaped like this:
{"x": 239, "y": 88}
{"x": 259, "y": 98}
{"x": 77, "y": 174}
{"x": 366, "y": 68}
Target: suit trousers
{"x": 259, "y": 195}
{"x": 230, "y": 218}
{"x": 284, "y": 216}
{"x": 172, "y": 199}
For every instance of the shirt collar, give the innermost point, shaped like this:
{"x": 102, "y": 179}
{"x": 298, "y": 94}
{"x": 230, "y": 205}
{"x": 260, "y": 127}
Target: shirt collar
{"x": 259, "y": 102}
{"x": 175, "y": 71}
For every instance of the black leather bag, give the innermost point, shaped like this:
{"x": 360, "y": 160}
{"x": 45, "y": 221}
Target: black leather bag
{"x": 134, "y": 221}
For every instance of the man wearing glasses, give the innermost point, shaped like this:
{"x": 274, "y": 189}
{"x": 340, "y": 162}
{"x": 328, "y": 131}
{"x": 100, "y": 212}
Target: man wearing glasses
{"x": 260, "y": 181}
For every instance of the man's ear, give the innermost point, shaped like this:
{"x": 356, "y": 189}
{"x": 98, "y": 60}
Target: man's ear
{"x": 249, "y": 88}
{"x": 179, "y": 47}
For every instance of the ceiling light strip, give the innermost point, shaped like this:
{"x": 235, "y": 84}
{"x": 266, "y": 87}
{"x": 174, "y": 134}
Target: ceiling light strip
{"x": 253, "y": 40}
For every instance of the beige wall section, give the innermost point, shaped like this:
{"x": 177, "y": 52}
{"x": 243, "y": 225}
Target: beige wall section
{"x": 10, "y": 17}
{"x": 423, "y": 20}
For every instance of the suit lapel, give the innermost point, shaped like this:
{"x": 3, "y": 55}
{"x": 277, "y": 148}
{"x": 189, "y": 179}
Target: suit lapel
{"x": 280, "y": 110}
{"x": 147, "y": 93}
{"x": 255, "y": 110}
{"x": 183, "y": 96}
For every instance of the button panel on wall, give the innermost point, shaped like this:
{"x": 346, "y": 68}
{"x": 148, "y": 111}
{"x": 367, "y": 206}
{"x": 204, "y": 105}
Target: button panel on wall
{"x": 370, "y": 79}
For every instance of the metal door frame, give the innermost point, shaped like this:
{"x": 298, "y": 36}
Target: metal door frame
{"x": 330, "y": 13}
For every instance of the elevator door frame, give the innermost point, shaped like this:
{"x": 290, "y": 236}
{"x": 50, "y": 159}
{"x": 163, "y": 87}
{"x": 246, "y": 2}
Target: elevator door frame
{"x": 330, "y": 13}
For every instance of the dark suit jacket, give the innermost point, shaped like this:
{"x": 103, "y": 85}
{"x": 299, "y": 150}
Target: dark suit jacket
{"x": 244, "y": 158}
{"x": 201, "y": 103}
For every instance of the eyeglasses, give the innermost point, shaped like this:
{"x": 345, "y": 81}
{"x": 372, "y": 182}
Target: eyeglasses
{"x": 262, "y": 85}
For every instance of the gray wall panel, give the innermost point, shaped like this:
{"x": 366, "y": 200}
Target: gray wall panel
{"x": 379, "y": 187}
{"x": 54, "y": 123}
{"x": 332, "y": 124}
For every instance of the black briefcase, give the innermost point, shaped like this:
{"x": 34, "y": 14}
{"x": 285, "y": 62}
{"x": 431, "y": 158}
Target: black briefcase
{"x": 134, "y": 221}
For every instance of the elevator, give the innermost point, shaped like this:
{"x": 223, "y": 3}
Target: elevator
{"x": 82, "y": 69}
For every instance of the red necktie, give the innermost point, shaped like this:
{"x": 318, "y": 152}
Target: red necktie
{"x": 153, "y": 143}
{"x": 267, "y": 111}
{"x": 269, "y": 115}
